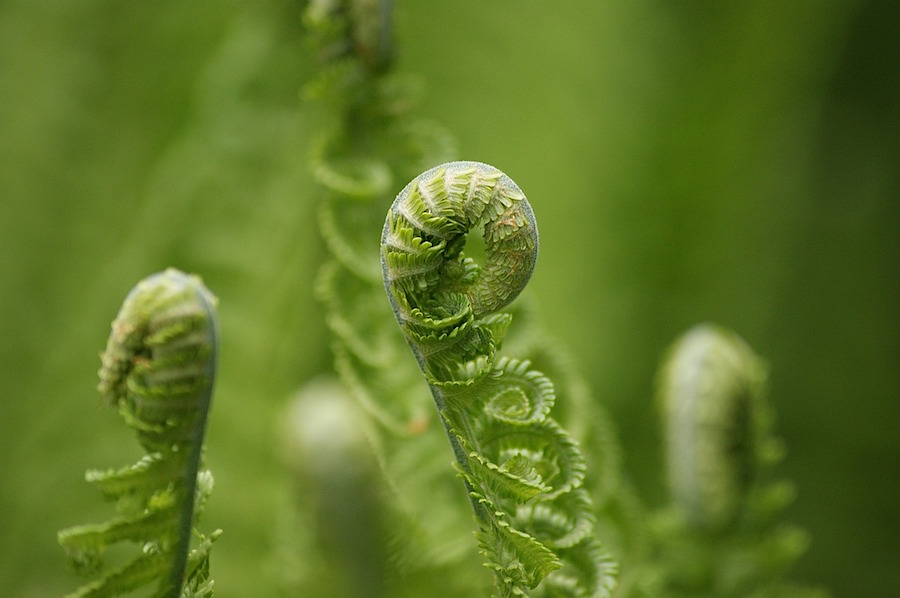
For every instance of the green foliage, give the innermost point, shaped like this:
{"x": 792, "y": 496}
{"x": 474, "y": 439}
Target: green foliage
{"x": 732, "y": 161}
{"x": 158, "y": 369}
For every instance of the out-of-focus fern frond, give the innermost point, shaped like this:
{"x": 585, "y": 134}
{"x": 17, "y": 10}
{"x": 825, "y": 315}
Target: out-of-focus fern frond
{"x": 158, "y": 369}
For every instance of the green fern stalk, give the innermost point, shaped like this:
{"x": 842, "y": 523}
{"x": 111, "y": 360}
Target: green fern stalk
{"x": 522, "y": 471}
{"x": 158, "y": 369}
{"x": 373, "y": 141}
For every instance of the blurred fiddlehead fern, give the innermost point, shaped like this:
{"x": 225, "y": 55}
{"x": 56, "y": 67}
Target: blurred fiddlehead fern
{"x": 373, "y": 140}
{"x": 522, "y": 471}
{"x": 158, "y": 369}
{"x": 711, "y": 391}
{"x": 722, "y": 536}
{"x": 343, "y": 552}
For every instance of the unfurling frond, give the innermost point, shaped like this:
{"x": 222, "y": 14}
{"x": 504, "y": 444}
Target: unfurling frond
{"x": 524, "y": 473}
{"x": 722, "y": 537}
{"x": 158, "y": 369}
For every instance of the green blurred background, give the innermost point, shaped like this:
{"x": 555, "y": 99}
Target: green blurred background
{"x": 733, "y": 162}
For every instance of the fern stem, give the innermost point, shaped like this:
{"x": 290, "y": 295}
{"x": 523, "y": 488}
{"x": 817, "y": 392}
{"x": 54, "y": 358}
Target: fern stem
{"x": 191, "y": 471}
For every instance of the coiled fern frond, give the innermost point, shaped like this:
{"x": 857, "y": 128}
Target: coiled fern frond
{"x": 374, "y": 142}
{"x": 158, "y": 369}
{"x": 722, "y": 536}
{"x": 523, "y": 472}
{"x": 716, "y": 425}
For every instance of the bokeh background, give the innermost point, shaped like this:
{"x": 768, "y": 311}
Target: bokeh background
{"x": 736, "y": 162}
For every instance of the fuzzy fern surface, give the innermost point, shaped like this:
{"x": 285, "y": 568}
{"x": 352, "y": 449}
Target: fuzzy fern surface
{"x": 158, "y": 369}
{"x": 524, "y": 474}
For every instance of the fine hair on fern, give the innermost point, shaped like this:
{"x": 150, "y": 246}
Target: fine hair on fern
{"x": 158, "y": 369}
{"x": 522, "y": 471}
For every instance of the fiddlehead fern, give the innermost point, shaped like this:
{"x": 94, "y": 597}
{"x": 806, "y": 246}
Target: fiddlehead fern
{"x": 158, "y": 369}
{"x": 523, "y": 473}
{"x": 722, "y": 537}
{"x": 374, "y": 142}
{"x": 711, "y": 391}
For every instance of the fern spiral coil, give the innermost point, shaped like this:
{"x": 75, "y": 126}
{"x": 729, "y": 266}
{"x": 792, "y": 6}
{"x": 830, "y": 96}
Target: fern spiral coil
{"x": 523, "y": 472}
{"x": 160, "y": 359}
